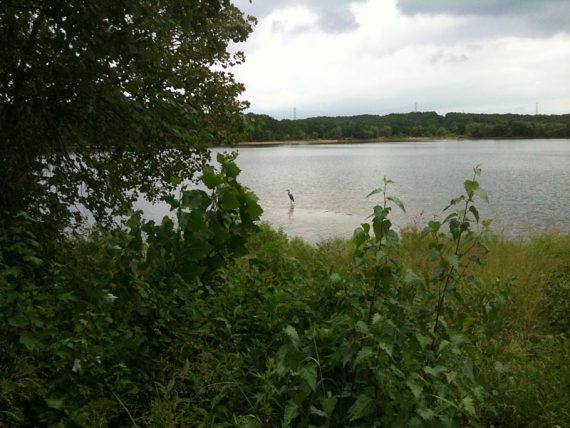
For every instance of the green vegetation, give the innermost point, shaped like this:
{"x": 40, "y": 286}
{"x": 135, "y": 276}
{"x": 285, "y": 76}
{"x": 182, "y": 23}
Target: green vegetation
{"x": 211, "y": 321}
{"x": 206, "y": 319}
{"x": 101, "y": 101}
{"x": 428, "y": 124}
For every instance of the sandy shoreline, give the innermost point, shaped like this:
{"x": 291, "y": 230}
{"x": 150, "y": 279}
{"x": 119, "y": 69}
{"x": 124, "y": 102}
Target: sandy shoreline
{"x": 312, "y": 142}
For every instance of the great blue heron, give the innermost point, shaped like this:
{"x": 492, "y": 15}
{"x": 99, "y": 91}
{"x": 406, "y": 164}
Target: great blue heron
{"x": 290, "y": 196}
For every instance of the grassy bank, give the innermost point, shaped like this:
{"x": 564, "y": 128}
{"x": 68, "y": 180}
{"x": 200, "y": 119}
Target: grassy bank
{"x": 282, "y": 335}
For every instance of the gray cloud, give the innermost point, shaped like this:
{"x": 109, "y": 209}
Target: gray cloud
{"x": 442, "y": 56}
{"x": 535, "y": 17}
{"x": 333, "y": 17}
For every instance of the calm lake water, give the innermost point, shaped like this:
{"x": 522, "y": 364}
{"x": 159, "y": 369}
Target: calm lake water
{"x": 528, "y": 182}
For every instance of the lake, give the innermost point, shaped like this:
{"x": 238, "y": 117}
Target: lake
{"x": 528, "y": 182}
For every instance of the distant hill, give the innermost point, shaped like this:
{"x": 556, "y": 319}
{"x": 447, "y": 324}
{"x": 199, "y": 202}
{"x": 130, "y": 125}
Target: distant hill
{"x": 426, "y": 124}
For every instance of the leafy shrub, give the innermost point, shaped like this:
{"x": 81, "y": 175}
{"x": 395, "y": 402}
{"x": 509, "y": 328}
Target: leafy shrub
{"x": 86, "y": 330}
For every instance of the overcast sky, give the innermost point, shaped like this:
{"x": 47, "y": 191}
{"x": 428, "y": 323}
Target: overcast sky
{"x": 343, "y": 57}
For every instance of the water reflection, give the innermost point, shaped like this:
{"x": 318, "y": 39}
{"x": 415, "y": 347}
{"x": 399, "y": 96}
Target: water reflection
{"x": 291, "y": 211}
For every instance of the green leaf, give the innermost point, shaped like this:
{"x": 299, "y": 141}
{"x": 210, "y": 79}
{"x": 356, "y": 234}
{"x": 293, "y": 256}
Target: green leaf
{"x": 252, "y": 207}
{"x": 454, "y": 201}
{"x": 328, "y": 405}
{"x": 482, "y": 194}
{"x": 362, "y": 327}
{"x": 29, "y": 341}
{"x": 364, "y": 354}
{"x": 449, "y": 217}
{"x": 452, "y": 261}
{"x": 229, "y": 199}
{"x": 291, "y": 412}
{"x": 468, "y": 405}
{"x": 386, "y": 347}
{"x": 175, "y": 181}
{"x": 425, "y": 413}
{"x": 435, "y": 371}
{"x": 415, "y": 388}
{"x": 363, "y": 406}
{"x": 292, "y": 334}
{"x": 309, "y": 375}
{"x": 359, "y": 236}
{"x": 470, "y": 187}
{"x": 397, "y": 202}
{"x": 210, "y": 178}
{"x": 475, "y": 212}
{"x": 195, "y": 200}
{"x": 229, "y": 167}
{"x": 54, "y": 403}
{"x": 424, "y": 341}
{"x": 411, "y": 278}
{"x": 375, "y": 192}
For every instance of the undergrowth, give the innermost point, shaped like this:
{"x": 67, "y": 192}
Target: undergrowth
{"x": 214, "y": 321}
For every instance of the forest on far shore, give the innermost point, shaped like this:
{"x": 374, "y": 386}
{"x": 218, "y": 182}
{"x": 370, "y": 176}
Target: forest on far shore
{"x": 421, "y": 124}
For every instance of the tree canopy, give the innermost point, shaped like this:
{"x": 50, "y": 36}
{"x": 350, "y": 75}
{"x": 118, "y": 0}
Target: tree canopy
{"x": 421, "y": 124}
{"x": 101, "y": 101}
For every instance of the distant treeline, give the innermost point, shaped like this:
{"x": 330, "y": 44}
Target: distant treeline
{"x": 426, "y": 124}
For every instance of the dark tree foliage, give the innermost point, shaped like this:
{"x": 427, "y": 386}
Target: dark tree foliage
{"x": 425, "y": 124}
{"x": 103, "y": 100}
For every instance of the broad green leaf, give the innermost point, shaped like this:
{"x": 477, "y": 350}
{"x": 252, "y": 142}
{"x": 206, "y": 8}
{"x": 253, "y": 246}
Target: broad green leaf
{"x": 453, "y": 261}
{"x": 33, "y": 260}
{"x": 482, "y": 194}
{"x": 229, "y": 167}
{"x": 328, "y": 405}
{"x": 229, "y": 199}
{"x": 468, "y": 405}
{"x": 54, "y": 403}
{"x": 364, "y": 354}
{"x": 29, "y": 341}
{"x": 425, "y": 413}
{"x": 363, "y": 406}
{"x": 359, "y": 236}
{"x": 397, "y": 202}
{"x": 291, "y": 412}
{"x": 195, "y": 200}
{"x": 175, "y": 181}
{"x": 411, "y": 278}
{"x": 210, "y": 178}
{"x": 193, "y": 221}
{"x": 415, "y": 388}
{"x": 470, "y": 187}
{"x": 314, "y": 411}
{"x": 475, "y": 212}
{"x": 292, "y": 334}
{"x": 424, "y": 341}
{"x": 449, "y": 217}
{"x": 393, "y": 238}
{"x": 435, "y": 371}
{"x": 386, "y": 347}
{"x": 362, "y": 327}
{"x": 309, "y": 375}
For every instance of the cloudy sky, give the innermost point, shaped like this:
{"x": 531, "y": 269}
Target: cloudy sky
{"x": 345, "y": 57}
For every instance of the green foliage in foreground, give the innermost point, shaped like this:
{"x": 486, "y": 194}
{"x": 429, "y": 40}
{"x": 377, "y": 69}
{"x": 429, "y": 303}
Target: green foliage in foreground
{"x": 188, "y": 324}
